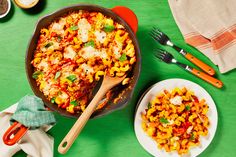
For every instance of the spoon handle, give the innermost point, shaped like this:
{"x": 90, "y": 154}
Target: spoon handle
{"x": 80, "y": 123}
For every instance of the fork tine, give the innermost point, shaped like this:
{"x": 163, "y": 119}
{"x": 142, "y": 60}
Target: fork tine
{"x": 159, "y": 57}
{"x": 157, "y": 31}
{"x": 156, "y": 36}
{"x": 160, "y": 53}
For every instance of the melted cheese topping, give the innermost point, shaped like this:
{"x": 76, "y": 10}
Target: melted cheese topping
{"x": 84, "y": 27}
{"x": 90, "y": 52}
{"x": 177, "y": 100}
{"x": 63, "y": 96}
{"x": 58, "y": 27}
{"x": 43, "y": 65}
{"x": 189, "y": 130}
{"x": 55, "y": 46}
{"x": 100, "y": 36}
{"x": 87, "y": 69}
{"x": 55, "y": 61}
{"x": 69, "y": 53}
{"x": 46, "y": 89}
{"x": 116, "y": 51}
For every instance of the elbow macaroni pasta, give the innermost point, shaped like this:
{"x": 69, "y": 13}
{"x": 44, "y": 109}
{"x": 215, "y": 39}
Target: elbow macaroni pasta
{"x": 176, "y": 126}
{"x": 75, "y": 51}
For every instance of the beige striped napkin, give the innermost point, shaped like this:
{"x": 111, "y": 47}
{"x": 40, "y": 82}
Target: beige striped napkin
{"x": 210, "y": 26}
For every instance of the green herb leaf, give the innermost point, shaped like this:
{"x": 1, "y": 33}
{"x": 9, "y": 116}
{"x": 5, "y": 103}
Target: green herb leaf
{"x": 57, "y": 75}
{"x": 123, "y": 57}
{"x": 192, "y": 137}
{"x": 74, "y": 28}
{"x": 187, "y": 108}
{"x": 53, "y": 100}
{"x": 108, "y": 28}
{"x": 72, "y": 78}
{"x": 36, "y": 74}
{"x": 164, "y": 120}
{"x": 74, "y": 103}
{"x": 48, "y": 45}
{"x": 59, "y": 38}
{"x": 149, "y": 105}
{"x": 90, "y": 43}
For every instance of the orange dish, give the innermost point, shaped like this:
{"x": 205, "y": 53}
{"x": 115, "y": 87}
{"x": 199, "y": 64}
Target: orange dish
{"x": 75, "y": 51}
{"x": 176, "y": 119}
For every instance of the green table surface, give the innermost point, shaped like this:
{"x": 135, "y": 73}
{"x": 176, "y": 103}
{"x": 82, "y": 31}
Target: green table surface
{"x": 113, "y": 135}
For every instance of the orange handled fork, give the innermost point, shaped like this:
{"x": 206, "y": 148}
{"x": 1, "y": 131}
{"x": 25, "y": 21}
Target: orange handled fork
{"x": 163, "y": 39}
{"x": 168, "y": 58}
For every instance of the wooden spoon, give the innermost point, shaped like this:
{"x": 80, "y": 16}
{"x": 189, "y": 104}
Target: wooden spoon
{"x": 107, "y": 84}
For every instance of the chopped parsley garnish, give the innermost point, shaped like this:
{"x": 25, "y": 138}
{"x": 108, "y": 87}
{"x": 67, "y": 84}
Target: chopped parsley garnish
{"x": 108, "y": 28}
{"x": 72, "y": 78}
{"x": 90, "y": 43}
{"x": 149, "y": 105}
{"x": 192, "y": 137}
{"x": 48, "y": 45}
{"x": 74, "y": 103}
{"x": 53, "y": 100}
{"x": 74, "y": 28}
{"x": 36, "y": 74}
{"x": 59, "y": 38}
{"x": 123, "y": 57}
{"x": 164, "y": 120}
{"x": 187, "y": 108}
{"x": 57, "y": 75}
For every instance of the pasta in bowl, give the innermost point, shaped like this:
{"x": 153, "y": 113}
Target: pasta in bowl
{"x": 74, "y": 50}
{"x": 175, "y": 117}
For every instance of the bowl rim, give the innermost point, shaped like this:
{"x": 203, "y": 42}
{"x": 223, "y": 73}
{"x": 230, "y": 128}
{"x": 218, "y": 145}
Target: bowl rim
{"x": 131, "y": 33}
{"x": 8, "y": 10}
{"x": 19, "y": 4}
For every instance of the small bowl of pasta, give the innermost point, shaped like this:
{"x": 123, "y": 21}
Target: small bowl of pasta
{"x": 73, "y": 48}
{"x": 175, "y": 117}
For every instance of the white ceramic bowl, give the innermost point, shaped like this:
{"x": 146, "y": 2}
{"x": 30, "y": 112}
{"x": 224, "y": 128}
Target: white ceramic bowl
{"x": 9, "y": 7}
{"x": 23, "y": 6}
{"x": 148, "y": 143}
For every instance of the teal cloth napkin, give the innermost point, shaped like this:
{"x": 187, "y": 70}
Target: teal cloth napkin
{"x": 31, "y": 113}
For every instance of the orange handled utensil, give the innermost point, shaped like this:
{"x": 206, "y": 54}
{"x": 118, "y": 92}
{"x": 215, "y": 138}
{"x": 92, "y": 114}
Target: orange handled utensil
{"x": 163, "y": 39}
{"x": 168, "y": 58}
{"x": 14, "y": 133}
{"x": 217, "y": 83}
{"x": 200, "y": 64}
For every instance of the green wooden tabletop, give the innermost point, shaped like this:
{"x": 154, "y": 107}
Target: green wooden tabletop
{"x": 113, "y": 135}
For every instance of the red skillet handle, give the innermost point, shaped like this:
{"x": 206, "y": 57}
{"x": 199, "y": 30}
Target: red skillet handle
{"x": 128, "y": 15}
{"x": 14, "y": 133}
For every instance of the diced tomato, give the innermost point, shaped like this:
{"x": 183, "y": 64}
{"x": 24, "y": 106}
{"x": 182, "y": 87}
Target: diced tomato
{"x": 180, "y": 130}
{"x": 70, "y": 38}
{"x": 186, "y": 125}
{"x": 195, "y": 99}
{"x": 90, "y": 20}
{"x": 65, "y": 105}
{"x": 78, "y": 95}
{"x": 53, "y": 34}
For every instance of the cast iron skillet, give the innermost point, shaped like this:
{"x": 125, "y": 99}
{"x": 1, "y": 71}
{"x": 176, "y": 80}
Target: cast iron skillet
{"x": 125, "y": 91}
